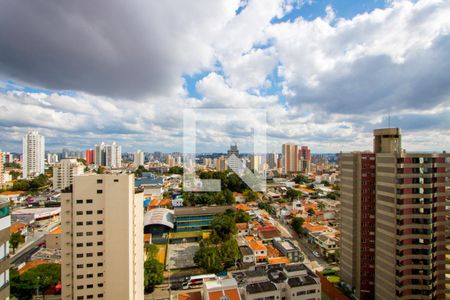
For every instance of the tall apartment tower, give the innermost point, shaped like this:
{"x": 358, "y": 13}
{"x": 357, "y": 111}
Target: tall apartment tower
{"x": 5, "y": 224}
{"x": 108, "y": 155}
{"x": 410, "y": 216}
{"x": 100, "y": 157}
{"x": 290, "y": 158}
{"x": 90, "y": 156}
{"x": 102, "y": 238}
{"x": 33, "y": 158}
{"x": 139, "y": 158}
{"x": 410, "y": 220}
{"x": 305, "y": 159}
{"x": 2, "y": 170}
{"x": 65, "y": 171}
{"x": 358, "y": 222}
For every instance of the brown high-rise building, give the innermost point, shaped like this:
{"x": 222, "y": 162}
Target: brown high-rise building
{"x": 290, "y": 160}
{"x": 358, "y": 221}
{"x": 409, "y": 202}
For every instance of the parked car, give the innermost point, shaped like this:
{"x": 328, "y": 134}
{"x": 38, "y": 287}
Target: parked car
{"x": 316, "y": 254}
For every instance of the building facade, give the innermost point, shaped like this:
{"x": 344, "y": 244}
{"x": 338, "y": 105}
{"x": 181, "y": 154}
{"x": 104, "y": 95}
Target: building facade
{"x": 139, "y": 158}
{"x": 102, "y": 238}
{"x": 409, "y": 205}
{"x": 290, "y": 161}
{"x": 108, "y": 155}
{"x": 33, "y": 157}
{"x": 65, "y": 171}
{"x": 357, "y": 188}
{"x": 90, "y": 156}
{"x": 304, "y": 155}
{"x": 5, "y": 224}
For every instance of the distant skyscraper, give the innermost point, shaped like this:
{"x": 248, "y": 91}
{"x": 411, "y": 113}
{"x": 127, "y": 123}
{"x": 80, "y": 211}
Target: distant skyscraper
{"x": 108, "y": 155}
{"x": 221, "y": 164}
{"x": 2, "y": 161}
{"x": 90, "y": 157}
{"x": 305, "y": 159}
{"x": 272, "y": 160}
{"x": 139, "y": 158}
{"x": 102, "y": 239}
{"x": 290, "y": 158}
{"x": 52, "y": 158}
{"x": 403, "y": 195}
{"x": 33, "y": 158}
{"x": 236, "y": 163}
{"x": 64, "y": 171}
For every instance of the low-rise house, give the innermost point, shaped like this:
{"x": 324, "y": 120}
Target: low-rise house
{"x": 53, "y": 239}
{"x": 221, "y": 289}
{"x": 247, "y": 255}
{"x": 289, "y": 282}
{"x": 17, "y": 197}
{"x": 242, "y": 229}
{"x": 258, "y": 248}
{"x": 268, "y": 232}
{"x": 288, "y": 249}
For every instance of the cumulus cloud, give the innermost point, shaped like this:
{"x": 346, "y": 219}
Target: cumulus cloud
{"x": 325, "y": 82}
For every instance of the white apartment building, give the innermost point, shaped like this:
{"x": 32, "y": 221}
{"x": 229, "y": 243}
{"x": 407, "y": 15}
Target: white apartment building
{"x": 2, "y": 170}
{"x": 33, "y": 158}
{"x": 139, "y": 158}
{"x": 52, "y": 158}
{"x": 64, "y": 171}
{"x": 5, "y": 224}
{"x": 102, "y": 238}
{"x": 108, "y": 155}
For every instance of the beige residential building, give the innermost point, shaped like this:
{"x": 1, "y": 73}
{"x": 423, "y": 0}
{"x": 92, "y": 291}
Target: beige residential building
{"x": 290, "y": 159}
{"x": 102, "y": 238}
{"x": 64, "y": 171}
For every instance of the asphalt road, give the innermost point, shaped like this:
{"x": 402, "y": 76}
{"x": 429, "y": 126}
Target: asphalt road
{"x": 27, "y": 252}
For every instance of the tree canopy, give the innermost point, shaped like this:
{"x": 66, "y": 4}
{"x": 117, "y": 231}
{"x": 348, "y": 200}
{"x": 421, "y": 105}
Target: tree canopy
{"x": 15, "y": 240}
{"x": 176, "y": 170}
{"x": 297, "y": 225}
{"x": 153, "y": 269}
{"x": 24, "y": 286}
{"x": 293, "y": 194}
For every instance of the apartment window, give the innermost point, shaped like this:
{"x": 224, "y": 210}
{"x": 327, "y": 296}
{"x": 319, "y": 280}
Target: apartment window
{"x": 100, "y": 232}
{"x": 89, "y": 255}
{"x": 80, "y": 276}
{"x": 90, "y": 275}
{"x": 99, "y": 212}
{"x": 79, "y": 223}
{"x": 79, "y": 266}
{"x": 79, "y": 255}
{"x": 99, "y": 243}
{"x": 80, "y": 287}
{"x": 79, "y": 201}
{"x": 90, "y": 297}
{"x": 99, "y": 191}
{"x": 99, "y": 181}
{"x": 79, "y": 234}
{"x": 99, "y": 264}
{"x": 89, "y": 244}
{"x": 116, "y": 180}
{"x": 89, "y": 233}
{"x": 80, "y": 297}
{"x": 89, "y": 223}
{"x": 89, "y": 265}
{"x": 89, "y": 212}
{"x": 99, "y": 253}
{"x": 99, "y": 274}
{"x": 79, "y": 213}
{"x": 79, "y": 244}
{"x": 100, "y": 285}
{"x": 89, "y": 201}
{"x": 100, "y": 222}
{"x": 100, "y": 295}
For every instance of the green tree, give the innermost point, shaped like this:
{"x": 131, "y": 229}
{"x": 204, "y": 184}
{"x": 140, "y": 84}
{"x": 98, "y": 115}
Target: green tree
{"x": 241, "y": 216}
{"x": 139, "y": 171}
{"x": 293, "y": 194}
{"x": 176, "y": 170}
{"x": 250, "y": 195}
{"x": 15, "y": 240}
{"x": 229, "y": 252}
{"x": 42, "y": 277}
{"x": 325, "y": 183}
{"x": 301, "y": 179}
{"x": 321, "y": 206}
{"x": 100, "y": 170}
{"x": 153, "y": 274}
{"x": 82, "y": 160}
{"x": 12, "y": 165}
{"x": 311, "y": 211}
{"x": 152, "y": 250}
{"x": 14, "y": 174}
{"x": 297, "y": 224}
{"x": 209, "y": 258}
{"x": 224, "y": 226}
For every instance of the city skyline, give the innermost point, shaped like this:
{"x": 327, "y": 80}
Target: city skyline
{"x": 327, "y": 72}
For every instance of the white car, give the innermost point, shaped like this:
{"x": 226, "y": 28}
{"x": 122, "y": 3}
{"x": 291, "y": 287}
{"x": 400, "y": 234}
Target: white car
{"x": 316, "y": 254}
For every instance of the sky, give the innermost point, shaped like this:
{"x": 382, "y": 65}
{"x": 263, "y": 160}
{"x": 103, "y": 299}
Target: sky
{"x": 325, "y": 73}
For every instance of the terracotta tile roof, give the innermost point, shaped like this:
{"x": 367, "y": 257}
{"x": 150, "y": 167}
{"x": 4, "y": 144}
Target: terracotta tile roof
{"x": 57, "y": 230}
{"x": 243, "y": 207}
{"x": 278, "y": 260}
{"x": 190, "y": 296}
{"x": 154, "y": 203}
{"x": 256, "y": 245}
{"x": 165, "y": 202}
{"x": 242, "y": 226}
{"x": 10, "y": 193}
{"x": 272, "y": 251}
{"x": 252, "y": 203}
{"x": 313, "y": 227}
{"x": 16, "y": 227}
{"x": 232, "y": 294}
